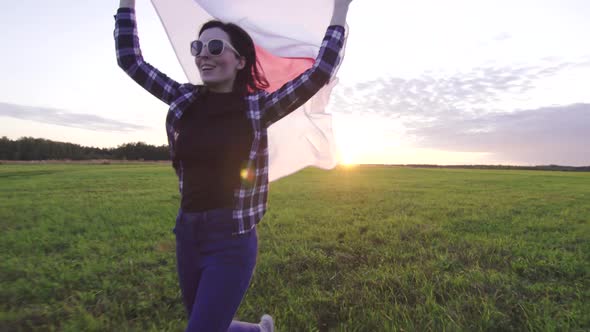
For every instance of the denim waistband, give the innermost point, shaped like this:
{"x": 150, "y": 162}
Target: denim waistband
{"x": 203, "y": 225}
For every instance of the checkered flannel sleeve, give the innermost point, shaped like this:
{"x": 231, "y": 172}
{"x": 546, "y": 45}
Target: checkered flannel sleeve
{"x": 131, "y": 61}
{"x": 295, "y": 93}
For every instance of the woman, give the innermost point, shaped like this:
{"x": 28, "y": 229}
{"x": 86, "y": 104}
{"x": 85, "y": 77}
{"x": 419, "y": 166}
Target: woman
{"x": 217, "y": 134}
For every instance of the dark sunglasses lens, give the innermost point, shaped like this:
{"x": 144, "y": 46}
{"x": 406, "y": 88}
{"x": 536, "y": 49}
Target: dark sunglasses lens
{"x": 196, "y": 47}
{"x": 215, "y": 47}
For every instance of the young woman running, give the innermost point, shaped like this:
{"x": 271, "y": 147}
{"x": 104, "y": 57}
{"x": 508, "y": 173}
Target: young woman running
{"x": 217, "y": 133}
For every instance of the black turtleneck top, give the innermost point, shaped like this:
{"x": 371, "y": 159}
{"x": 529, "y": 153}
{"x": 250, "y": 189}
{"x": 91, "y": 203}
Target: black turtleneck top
{"x": 214, "y": 141}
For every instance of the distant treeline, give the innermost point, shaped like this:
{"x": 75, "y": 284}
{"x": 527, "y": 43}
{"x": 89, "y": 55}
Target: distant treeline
{"x": 29, "y": 148}
{"x": 531, "y": 168}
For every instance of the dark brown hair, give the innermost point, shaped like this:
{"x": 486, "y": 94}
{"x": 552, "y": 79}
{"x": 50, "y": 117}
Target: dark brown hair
{"x": 251, "y": 78}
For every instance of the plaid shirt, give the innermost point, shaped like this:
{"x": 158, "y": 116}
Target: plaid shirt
{"x": 263, "y": 108}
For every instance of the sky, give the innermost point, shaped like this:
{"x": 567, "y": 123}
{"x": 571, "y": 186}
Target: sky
{"x": 428, "y": 82}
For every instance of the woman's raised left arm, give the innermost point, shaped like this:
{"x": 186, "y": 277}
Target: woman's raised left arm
{"x": 296, "y": 92}
{"x": 340, "y": 12}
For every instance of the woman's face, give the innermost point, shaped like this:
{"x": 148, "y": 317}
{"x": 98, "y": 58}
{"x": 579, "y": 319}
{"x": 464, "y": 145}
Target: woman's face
{"x": 218, "y": 72}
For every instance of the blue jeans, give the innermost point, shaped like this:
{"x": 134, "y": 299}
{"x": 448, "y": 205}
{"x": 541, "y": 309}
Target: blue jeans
{"x": 214, "y": 269}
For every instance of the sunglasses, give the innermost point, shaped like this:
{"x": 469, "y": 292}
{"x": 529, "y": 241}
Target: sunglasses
{"x": 215, "y": 47}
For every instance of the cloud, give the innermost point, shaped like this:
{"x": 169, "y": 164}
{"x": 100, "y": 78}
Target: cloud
{"x": 547, "y": 135}
{"x": 66, "y": 119}
{"x": 469, "y": 112}
{"x": 502, "y": 36}
{"x": 430, "y": 95}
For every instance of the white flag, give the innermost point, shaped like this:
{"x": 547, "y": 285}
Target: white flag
{"x": 287, "y": 35}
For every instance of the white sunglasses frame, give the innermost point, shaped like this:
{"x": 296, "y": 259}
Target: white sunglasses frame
{"x": 206, "y": 45}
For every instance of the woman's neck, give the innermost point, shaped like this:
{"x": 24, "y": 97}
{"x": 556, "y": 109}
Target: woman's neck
{"x": 216, "y": 90}
{"x": 222, "y": 87}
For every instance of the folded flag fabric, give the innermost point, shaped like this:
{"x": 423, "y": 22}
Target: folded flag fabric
{"x": 287, "y": 35}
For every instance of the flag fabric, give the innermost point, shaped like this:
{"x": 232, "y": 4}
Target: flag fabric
{"x": 287, "y": 35}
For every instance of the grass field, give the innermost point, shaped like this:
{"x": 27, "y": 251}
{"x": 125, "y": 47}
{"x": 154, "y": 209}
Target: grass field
{"x": 90, "y": 248}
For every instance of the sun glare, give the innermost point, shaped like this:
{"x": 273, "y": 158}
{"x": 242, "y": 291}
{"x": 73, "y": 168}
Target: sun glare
{"x": 347, "y": 164}
{"x": 347, "y": 159}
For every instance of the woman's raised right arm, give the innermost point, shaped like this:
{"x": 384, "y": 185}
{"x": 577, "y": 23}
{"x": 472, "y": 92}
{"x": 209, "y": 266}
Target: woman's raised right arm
{"x": 131, "y": 61}
{"x": 127, "y": 4}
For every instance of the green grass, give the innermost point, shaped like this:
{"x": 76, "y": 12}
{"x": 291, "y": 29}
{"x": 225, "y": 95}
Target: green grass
{"x": 90, "y": 248}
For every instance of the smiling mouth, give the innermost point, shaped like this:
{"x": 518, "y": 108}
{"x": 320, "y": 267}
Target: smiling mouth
{"x": 206, "y": 68}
